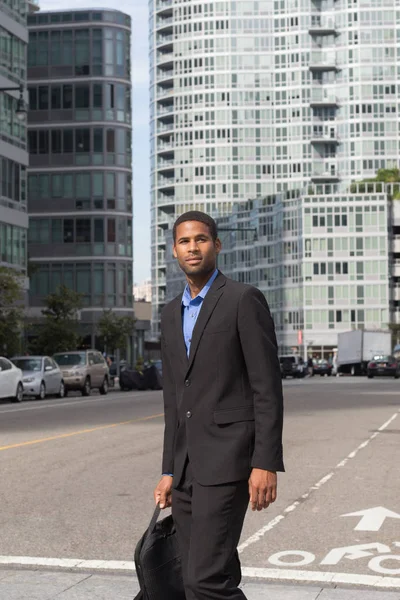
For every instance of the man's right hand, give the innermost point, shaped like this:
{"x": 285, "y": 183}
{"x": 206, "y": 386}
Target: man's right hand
{"x": 163, "y": 492}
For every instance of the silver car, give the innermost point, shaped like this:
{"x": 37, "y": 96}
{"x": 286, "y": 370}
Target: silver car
{"x": 41, "y": 376}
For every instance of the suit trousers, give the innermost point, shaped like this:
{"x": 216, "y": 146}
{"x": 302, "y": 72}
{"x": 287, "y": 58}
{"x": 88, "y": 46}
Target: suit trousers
{"x": 209, "y": 521}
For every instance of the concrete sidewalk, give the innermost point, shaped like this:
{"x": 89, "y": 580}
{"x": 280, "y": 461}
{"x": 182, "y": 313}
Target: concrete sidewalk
{"x": 29, "y": 584}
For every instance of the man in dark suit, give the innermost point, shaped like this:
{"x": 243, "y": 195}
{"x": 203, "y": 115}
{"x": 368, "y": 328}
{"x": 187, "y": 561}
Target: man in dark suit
{"x": 223, "y": 412}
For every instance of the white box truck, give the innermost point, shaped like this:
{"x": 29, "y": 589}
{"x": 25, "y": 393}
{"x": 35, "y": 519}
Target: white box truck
{"x": 358, "y": 347}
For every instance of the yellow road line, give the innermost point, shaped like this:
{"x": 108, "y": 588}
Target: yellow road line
{"x": 82, "y": 431}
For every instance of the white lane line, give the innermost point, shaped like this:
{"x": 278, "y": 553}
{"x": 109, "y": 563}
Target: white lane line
{"x": 289, "y": 509}
{"x": 67, "y": 563}
{"x": 61, "y": 404}
{"x": 375, "y": 581}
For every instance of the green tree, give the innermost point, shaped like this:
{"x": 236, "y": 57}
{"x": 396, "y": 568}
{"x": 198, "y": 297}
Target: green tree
{"x": 59, "y": 330}
{"x": 113, "y": 330}
{"x": 11, "y": 311}
{"x": 382, "y": 176}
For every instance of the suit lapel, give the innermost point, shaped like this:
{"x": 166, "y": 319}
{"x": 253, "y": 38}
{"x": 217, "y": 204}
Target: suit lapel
{"x": 208, "y": 306}
{"x": 178, "y": 326}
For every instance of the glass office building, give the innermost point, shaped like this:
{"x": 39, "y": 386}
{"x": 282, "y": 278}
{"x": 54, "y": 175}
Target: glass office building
{"x": 80, "y": 175}
{"x": 255, "y": 98}
{"x": 13, "y": 150}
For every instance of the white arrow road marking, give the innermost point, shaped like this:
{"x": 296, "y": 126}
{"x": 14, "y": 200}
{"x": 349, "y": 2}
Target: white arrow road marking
{"x": 353, "y": 552}
{"x": 289, "y": 509}
{"x": 372, "y": 518}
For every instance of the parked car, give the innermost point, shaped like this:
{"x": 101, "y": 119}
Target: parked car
{"x": 148, "y": 379}
{"x": 383, "y": 364}
{"x": 322, "y": 367}
{"x": 292, "y": 365}
{"x": 41, "y": 376}
{"x": 83, "y": 370}
{"x": 11, "y": 385}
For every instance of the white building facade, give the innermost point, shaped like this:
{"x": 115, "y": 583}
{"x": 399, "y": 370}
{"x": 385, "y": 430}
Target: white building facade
{"x": 255, "y": 98}
{"x": 325, "y": 262}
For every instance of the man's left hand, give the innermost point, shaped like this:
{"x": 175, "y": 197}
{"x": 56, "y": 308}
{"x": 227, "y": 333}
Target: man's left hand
{"x": 262, "y": 488}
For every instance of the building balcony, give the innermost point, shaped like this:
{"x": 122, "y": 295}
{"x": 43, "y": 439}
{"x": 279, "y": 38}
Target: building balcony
{"x": 165, "y": 146}
{"x": 322, "y": 26}
{"x": 165, "y": 78}
{"x": 165, "y": 92}
{"x": 164, "y": 110}
{"x": 164, "y": 6}
{"x": 165, "y": 24}
{"x": 165, "y": 41}
{"x": 165, "y": 128}
{"x": 321, "y": 98}
{"x": 165, "y": 181}
{"x": 164, "y": 163}
{"x": 396, "y": 294}
{"x": 166, "y": 118}
{"x": 165, "y": 59}
{"x": 321, "y": 137}
{"x": 323, "y": 61}
{"x": 325, "y": 171}
{"x": 396, "y": 267}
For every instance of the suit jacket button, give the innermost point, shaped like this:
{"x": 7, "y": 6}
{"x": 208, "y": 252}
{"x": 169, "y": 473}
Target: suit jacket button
{"x": 187, "y": 382}
{"x": 188, "y": 414}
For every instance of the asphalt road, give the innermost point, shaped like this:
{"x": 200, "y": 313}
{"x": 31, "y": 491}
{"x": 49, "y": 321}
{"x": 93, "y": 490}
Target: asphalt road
{"x": 77, "y": 477}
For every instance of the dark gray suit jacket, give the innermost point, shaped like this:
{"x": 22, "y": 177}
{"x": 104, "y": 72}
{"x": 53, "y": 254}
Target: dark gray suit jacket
{"x": 223, "y": 405}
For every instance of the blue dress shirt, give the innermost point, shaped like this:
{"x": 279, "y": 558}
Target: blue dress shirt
{"x": 191, "y": 309}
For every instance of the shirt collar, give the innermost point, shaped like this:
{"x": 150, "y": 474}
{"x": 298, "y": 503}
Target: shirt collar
{"x": 186, "y": 297}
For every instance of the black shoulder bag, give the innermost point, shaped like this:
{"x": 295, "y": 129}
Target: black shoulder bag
{"x": 158, "y": 561}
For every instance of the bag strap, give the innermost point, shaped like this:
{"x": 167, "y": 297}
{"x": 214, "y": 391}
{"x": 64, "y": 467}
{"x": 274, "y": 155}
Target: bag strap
{"x": 153, "y": 521}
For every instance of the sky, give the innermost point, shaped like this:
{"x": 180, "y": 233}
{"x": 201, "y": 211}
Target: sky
{"x": 138, "y": 10}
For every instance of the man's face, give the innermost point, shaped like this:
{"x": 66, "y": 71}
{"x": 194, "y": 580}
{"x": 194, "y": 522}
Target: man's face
{"x": 195, "y": 249}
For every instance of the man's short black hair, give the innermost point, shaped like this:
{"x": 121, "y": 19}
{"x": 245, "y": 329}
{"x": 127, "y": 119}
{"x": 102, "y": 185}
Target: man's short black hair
{"x": 201, "y": 217}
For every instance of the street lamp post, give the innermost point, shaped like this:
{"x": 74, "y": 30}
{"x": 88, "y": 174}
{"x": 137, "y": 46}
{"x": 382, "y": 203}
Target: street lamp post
{"x": 21, "y": 108}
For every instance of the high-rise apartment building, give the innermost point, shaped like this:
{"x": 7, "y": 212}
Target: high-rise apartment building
{"x": 255, "y": 98}
{"x": 13, "y": 150}
{"x": 211, "y": 100}
{"x": 80, "y": 175}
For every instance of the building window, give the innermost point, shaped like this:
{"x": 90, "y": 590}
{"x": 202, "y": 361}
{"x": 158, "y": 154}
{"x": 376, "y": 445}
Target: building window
{"x": 82, "y": 185}
{"x": 83, "y": 231}
{"x": 56, "y": 97}
{"x": 83, "y": 282}
{"x": 82, "y": 96}
{"x": 82, "y": 140}
{"x": 82, "y": 52}
{"x": 56, "y": 231}
{"x": 110, "y": 140}
{"x": 111, "y": 236}
{"x": 98, "y": 140}
{"x": 43, "y": 142}
{"x": 56, "y": 141}
{"x": 68, "y": 231}
{"x": 68, "y": 135}
{"x": 97, "y": 95}
{"x": 67, "y": 96}
{"x": 99, "y": 230}
{"x": 98, "y": 185}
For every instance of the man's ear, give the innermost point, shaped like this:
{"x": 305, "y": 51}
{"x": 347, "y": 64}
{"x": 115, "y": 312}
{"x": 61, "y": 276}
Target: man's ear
{"x": 174, "y": 252}
{"x": 218, "y": 245}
